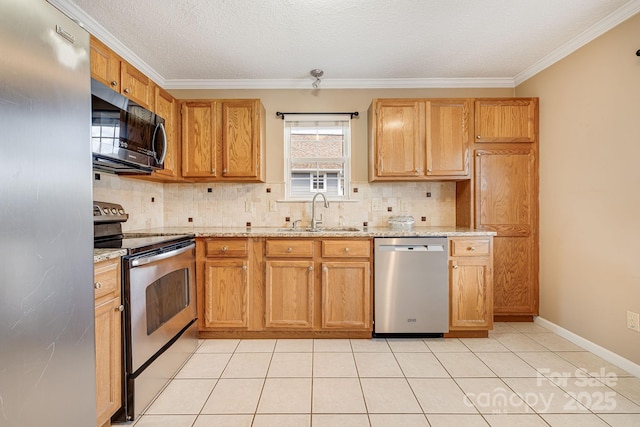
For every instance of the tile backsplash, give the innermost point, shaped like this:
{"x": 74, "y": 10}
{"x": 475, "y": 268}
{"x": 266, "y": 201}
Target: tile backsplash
{"x": 151, "y": 204}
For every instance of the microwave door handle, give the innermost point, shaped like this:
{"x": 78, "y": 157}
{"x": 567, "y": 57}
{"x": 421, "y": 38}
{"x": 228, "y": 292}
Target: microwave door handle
{"x": 164, "y": 142}
{"x": 153, "y": 258}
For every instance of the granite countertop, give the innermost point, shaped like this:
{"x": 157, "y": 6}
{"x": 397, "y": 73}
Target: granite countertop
{"x": 105, "y": 254}
{"x": 304, "y": 232}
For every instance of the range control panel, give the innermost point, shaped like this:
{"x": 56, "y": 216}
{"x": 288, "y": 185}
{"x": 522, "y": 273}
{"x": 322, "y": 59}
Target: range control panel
{"x": 108, "y": 212}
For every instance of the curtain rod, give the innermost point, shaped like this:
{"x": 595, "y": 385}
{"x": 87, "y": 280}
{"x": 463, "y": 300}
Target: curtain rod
{"x": 354, "y": 114}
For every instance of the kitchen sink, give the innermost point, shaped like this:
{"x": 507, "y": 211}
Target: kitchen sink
{"x": 320, "y": 229}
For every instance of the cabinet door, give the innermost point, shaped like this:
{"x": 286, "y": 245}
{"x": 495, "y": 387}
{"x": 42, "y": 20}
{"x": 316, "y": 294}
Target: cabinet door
{"x": 108, "y": 347}
{"x": 399, "y": 138}
{"x": 470, "y": 294}
{"x": 508, "y": 120}
{"x": 136, "y": 86}
{"x": 346, "y": 297}
{"x": 289, "y": 294}
{"x": 447, "y": 137}
{"x": 105, "y": 64}
{"x": 226, "y": 294}
{"x": 515, "y": 276}
{"x": 198, "y": 140}
{"x": 165, "y": 107}
{"x": 240, "y": 129}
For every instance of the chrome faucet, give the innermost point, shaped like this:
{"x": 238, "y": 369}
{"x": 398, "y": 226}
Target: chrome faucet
{"x": 314, "y": 221}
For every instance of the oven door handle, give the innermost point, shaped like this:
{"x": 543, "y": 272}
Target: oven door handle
{"x": 153, "y": 258}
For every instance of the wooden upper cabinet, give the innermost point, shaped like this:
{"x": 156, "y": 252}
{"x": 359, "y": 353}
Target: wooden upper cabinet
{"x": 447, "y": 131}
{"x": 419, "y": 139}
{"x": 506, "y": 120}
{"x": 136, "y": 86}
{"x": 167, "y": 108}
{"x": 398, "y": 138}
{"x": 105, "y": 64}
{"x": 198, "y": 140}
{"x": 223, "y": 140}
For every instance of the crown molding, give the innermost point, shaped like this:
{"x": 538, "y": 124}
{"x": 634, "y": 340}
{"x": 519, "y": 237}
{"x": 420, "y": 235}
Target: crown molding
{"x": 502, "y": 82}
{"x": 590, "y": 34}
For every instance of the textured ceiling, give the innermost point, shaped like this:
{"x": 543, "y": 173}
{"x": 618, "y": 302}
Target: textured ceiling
{"x": 265, "y": 41}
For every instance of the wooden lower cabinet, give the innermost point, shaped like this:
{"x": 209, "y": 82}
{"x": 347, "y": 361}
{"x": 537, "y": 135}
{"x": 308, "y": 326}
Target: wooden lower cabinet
{"x": 470, "y": 286}
{"x": 280, "y": 287}
{"x": 108, "y": 339}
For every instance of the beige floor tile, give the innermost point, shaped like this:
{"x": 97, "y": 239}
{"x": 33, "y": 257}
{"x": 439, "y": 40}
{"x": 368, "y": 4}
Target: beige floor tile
{"x": 554, "y": 342}
{"x": 334, "y": 365}
{"x": 224, "y": 421}
{"x": 445, "y": 345}
{"x": 183, "y": 396}
{"x": 519, "y": 420}
{"x": 281, "y": 420}
{"x": 464, "y": 365}
{"x": 406, "y": 345}
{"x": 492, "y": 396}
{"x": 218, "y": 346}
{"x": 330, "y": 345}
{"x": 550, "y": 364}
{"x": 571, "y": 420}
{"x": 456, "y": 420}
{"x": 592, "y": 364}
{"x": 234, "y": 396}
{"x": 519, "y": 342}
{"x": 337, "y": 396}
{"x": 291, "y": 365}
{"x": 503, "y": 327}
{"x": 544, "y": 396}
{"x": 529, "y": 328}
{"x": 166, "y": 421}
{"x": 377, "y": 365}
{"x": 294, "y": 345}
{"x": 247, "y": 365}
{"x": 628, "y": 387}
{"x": 340, "y": 420}
{"x": 256, "y": 346}
{"x": 286, "y": 396}
{"x": 389, "y": 396}
{"x": 621, "y": 420}
{"x": 398, "y": 420}
{"x": 204, "y": 365}
{"x": 483, "y": 345}
{"x": 507, "y": 365}
{"x": 421, "y": 365}
{"x": 441, "y": 395}
{"x": 596, "y": 396}
{"x": 376, "y": 345}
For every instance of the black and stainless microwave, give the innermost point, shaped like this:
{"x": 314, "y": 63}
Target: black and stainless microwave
{"x": 126, "y": 138}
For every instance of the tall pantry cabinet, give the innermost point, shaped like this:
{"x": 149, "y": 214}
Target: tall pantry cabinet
{"x": 503, "y": 197}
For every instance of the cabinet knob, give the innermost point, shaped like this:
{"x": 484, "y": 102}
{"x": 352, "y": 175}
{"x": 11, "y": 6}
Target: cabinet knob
{"x": 417, "y": 170}
{"x": 478, "y": 137}
{"x": 289, "y": 250}
{"x": 120, "y": 308}
{"x": 455, "y": 266}
{"x": 97, "y": 285}
{"x": 114, "y": 83}
{"x": 244, "y": 267}
{"x": 429, "y": 170}
{"x": 325, "y": 269}
{"x": 311, "y": 268}
{"x": 471, "y": 248}
{"x": 223, "y": 249}
{"x": 224, "y": 171}
{"x": 346, "y": 250}
{"x": 213, "y": 171}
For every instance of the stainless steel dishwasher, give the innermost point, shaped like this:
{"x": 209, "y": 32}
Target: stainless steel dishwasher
{"x": 411, "y": 286}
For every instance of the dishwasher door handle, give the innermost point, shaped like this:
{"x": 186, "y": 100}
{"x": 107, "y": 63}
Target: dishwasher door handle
{"x": 411, "y": 248}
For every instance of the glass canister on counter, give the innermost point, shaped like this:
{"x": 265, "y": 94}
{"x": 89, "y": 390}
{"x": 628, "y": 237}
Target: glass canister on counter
{"x": 401, "y": 222}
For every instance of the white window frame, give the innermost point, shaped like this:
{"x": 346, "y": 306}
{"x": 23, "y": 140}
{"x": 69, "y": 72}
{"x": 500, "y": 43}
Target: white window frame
{"x": 345, "y": 160}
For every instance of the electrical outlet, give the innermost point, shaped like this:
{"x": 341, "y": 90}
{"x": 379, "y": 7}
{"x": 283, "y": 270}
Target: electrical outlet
{"x": 273, "y": 206}
{"x": 633, "y": 321}
{"x": 376, "y": 204}
{"x": 247, "y": 206}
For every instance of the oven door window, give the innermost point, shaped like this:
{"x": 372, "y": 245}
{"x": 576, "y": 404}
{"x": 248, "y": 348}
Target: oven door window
{"x": 166, "y": 297}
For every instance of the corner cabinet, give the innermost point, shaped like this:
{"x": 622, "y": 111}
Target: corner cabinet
{"x": 419, "y": 139}
{"x": 223, "y": 140}
{"x": 470, "y": 285}
{"x": 108, "y": 339}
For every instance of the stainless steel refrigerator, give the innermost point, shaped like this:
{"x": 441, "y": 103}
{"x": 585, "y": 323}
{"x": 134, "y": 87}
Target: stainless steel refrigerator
{"x": 47, "y": 360}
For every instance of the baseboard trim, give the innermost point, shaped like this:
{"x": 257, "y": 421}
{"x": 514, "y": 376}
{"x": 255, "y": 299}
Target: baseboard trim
{"x": 608, "y": 355}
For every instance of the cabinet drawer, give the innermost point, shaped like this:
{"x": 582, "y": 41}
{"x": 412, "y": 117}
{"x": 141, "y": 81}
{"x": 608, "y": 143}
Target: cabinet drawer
{"x": 346, "y": 248}
{"x": 470, "y": 247}
{"x": 289, "y": 248}
{"x": 106, "y": 275}
{"x": 226, "y": 247}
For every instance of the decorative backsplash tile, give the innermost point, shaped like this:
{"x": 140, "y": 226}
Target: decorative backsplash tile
{"x": 235, "y": 204}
